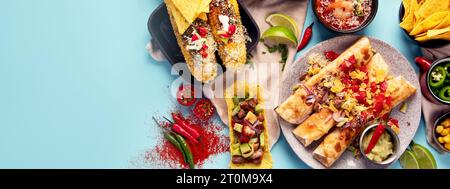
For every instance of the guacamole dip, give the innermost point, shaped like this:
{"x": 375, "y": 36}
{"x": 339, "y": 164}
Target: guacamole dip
{"x": 382, "y": 150}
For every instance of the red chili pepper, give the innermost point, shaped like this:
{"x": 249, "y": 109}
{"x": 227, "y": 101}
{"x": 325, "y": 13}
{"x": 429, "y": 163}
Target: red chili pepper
{"x": 202, "y": 31}
{"x": 179, "y": 130}
{"x": 375, "y": 137}
{"x": 331, "y": 55}
{"x": 231, "y": 29}
{"x": 306, "y": 37}
{"x": 360, "y": 96}
{"x": 423, "y": 63}
{"x": 179, "y": 119}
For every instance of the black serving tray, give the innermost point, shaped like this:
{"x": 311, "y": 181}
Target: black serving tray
{"x": 162, "y": 32}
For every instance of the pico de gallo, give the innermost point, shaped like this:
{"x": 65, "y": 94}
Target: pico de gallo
{"x": 343, "y": 14}
{"x": 248, "y": 130}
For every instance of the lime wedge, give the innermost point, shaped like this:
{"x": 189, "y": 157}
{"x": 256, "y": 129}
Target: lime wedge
{"x": 424, "y": 157}
{"x": 279, "y": 35}
{"x": 409, "y": 161}
{"x": 279, "y": 19}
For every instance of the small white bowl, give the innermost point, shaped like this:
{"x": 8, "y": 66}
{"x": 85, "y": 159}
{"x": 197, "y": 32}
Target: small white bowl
{"x": 395, "y": 140}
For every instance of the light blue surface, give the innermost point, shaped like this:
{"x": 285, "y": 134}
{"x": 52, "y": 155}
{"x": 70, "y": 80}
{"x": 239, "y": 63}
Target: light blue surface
{"x": 78, "y": 88}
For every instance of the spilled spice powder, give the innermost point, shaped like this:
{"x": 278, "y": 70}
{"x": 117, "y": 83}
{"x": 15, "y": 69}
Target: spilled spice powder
{"x": 212, "y": 142}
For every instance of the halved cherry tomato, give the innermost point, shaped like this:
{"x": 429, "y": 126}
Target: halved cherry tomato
{"x": 194, "y": 37}
{"x": 202, "y": 31}
{"x": 204, "y": 109}
{"x": 360, "y": 96}
{"x": 331, "y": 55}
{"x": 186, "y": 95}
{"x": 231, "y": 29}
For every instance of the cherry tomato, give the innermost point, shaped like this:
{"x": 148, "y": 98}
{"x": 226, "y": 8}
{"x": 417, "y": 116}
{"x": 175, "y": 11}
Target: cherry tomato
{"x": 331, "y": 55}
{"x": 185, "y": 95}
{"x": 204, "y": 109}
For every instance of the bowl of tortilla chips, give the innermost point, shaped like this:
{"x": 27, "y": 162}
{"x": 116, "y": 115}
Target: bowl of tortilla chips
{"x": 426, "y": 22}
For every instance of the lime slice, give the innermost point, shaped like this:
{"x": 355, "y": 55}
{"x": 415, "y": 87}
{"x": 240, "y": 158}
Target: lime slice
{"x": 279, "y": 35}
{"x": 278, "y": 19}
{"x": 409, "y": 161}
{"x": 424, "y": 157}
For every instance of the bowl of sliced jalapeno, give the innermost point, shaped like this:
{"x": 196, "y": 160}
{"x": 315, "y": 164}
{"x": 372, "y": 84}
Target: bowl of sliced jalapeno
{"x": 436, "y": 78}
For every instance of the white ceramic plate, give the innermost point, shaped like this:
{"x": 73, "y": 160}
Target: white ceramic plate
{"x": 399, "y": 65}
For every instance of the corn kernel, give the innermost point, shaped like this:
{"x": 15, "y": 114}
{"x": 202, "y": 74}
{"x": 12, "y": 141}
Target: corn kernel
{"x": 447, "y": 145}
{"x": 444, "y": 132}
{"x": 446, "y": 123}
{"x": 447, "y": 139}
{"x": 439, "y": 129}
{"x": 441, "y": 140}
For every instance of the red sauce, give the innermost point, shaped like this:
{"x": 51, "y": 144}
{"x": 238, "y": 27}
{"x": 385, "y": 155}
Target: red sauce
{"x": 343, "y": 14}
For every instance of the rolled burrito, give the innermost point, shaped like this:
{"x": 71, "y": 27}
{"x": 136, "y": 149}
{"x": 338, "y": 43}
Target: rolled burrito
{"x": 295, "y": 109}
{"x": 320, "y": 123}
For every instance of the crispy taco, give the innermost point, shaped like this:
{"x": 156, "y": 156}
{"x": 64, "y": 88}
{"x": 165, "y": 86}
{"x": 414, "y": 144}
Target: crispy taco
{"x": 228, "y": 31}
{"x": 248, "y": 127}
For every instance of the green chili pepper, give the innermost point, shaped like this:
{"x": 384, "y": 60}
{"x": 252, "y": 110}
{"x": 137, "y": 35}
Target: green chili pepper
{"x": 186, "y": 150}
{"x": 437, "y": 77}
{"x": 171, "y": 138}
{"x": 444, "y": 93}
{"x": 447, "y": 69}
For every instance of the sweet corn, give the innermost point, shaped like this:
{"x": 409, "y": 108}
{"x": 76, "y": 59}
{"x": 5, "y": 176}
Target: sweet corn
{"x": 441, "y": 140}
{"x": 447, "y": 145}
{"x": 447, "y": 139}
{"x": 444, "y": 132}
{"x": 446, "y": 123}
{"x": 439, "y": 129}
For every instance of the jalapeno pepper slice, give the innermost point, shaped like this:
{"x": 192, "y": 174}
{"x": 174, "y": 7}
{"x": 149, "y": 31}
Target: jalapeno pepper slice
{"x": 437, "y": 77}
{"x": 444, "y": 93}
{"x": 447, "y": 68}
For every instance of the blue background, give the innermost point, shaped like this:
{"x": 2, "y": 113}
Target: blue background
{"x": 78, "y": 89}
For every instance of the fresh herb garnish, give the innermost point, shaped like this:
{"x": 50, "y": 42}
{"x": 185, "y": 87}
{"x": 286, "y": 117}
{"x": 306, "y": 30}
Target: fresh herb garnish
{"x": 282, "y": 49}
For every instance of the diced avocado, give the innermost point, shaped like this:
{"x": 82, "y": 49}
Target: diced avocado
{"x": 259, "y": 108}
{"x": 235, "y": 152}
{"x": 237, "y": 100}
{"x": 236, "y": 110}
{"x": 251, "y": 117}
{"x": 238, "y": 127}
{"x": 262, "y": 140}
{"x": 245, "y": 148}
{"x": 235, "y": 145}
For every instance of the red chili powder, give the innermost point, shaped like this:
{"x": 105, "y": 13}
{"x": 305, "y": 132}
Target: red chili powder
{"x": 212, "y": 142}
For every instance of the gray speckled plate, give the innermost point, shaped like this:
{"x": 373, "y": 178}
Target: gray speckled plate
{"x": 399, "y": 65}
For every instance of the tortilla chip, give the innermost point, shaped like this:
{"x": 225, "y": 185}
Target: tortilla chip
{"x": 407, "y": 5}
{"x": 431, "y": 6}
{"x": 186, "y": 8}
{"x": 444, "y": 36}
{"x": 408, "y": 21}
{"x": 444, "y": 23}
{"x": 429, "y": 22}
{"x": 182, "y": 24}
{"x": 203, "y": 6}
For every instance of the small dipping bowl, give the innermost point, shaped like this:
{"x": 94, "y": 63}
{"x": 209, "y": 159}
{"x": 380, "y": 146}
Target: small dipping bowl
{"x": 394, "y": 138}
{"x": 435, "y": 135}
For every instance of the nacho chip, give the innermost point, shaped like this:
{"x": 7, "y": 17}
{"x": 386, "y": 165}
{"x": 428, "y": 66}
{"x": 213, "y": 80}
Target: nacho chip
{"x": 182, "y": 24}
{"x": 431, "y": 6}
{"x": 186, "y": 8}
{"x": 408, "y": 21}
{"x": 444, "y": 23}
{"x": 429, "y": 22}
{"x": 443, "y": 36}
